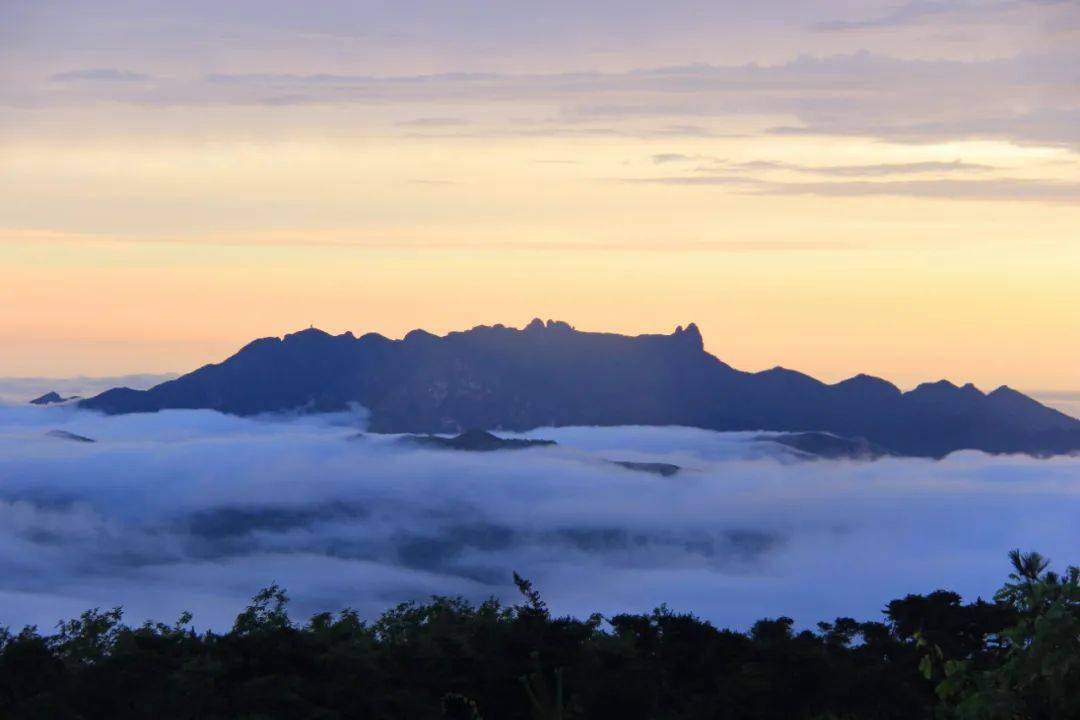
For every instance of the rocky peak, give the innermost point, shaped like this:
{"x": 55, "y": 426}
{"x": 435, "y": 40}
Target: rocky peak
{"x": 690, "y": 335}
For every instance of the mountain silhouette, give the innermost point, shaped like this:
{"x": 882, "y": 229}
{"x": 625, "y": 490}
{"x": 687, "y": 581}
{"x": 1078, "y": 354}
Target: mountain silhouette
{"x": 549, "y": 374}
{"x": 51, "y": 398}
{"x": 474, "y": 441}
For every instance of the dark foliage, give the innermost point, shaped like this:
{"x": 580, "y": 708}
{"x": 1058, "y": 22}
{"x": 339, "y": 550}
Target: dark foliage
{"x": 932, "y": 657}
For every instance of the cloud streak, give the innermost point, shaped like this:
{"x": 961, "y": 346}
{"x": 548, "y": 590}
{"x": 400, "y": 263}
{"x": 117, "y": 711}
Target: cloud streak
{"x": 992, "y": 189}
{"x": 905, "y": 14}
{"x": 923, "y": 11}
{"x": 196, "y": 510}
{"x": 1006, "y": 189}
{"x": 870, "y": 170}
{"x": 1027, "y": 98}
{"x": 707, "y": 163}
{"x": 101, "y": 75}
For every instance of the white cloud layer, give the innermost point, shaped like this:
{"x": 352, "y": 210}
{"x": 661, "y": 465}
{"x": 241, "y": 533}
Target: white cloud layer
{"x": 193, "y": 510}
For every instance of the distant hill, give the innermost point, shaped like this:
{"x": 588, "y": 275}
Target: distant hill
{"x": 549, "y": 374}
{"x": 51, "y": 398}
{"x": 475, "y": 441}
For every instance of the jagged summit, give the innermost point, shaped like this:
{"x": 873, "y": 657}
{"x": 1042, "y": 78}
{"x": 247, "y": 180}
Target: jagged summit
{"x": 690, "y": 332}
{"x": 691, "y": 329}
{"x": 549, "y": 374}
{"x": 690, "y": 335}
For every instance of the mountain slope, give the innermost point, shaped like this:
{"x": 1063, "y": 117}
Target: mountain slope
{"x": 550, "y": 375}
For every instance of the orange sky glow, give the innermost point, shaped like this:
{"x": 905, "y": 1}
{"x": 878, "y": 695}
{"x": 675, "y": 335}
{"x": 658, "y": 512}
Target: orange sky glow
{"x": 155, "y": 216}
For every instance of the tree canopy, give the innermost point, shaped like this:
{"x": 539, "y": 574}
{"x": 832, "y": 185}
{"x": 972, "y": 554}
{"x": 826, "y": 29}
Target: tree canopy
{"x": 932, "y": 655}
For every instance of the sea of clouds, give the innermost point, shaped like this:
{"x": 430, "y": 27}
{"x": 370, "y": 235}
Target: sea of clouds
{"x": 195, "y": 510}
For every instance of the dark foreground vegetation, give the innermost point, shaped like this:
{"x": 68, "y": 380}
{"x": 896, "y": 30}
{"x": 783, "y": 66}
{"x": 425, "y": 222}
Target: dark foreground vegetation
{"x": 1016, "y": 657}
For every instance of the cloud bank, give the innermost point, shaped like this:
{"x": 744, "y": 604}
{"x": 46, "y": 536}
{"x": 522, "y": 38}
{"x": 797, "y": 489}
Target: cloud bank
{"x": 193, "y": 510}
{"x": 1028, "y": 98}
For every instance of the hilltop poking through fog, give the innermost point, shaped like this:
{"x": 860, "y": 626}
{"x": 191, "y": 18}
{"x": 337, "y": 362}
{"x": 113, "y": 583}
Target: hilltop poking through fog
{"x": 551, "y": 375}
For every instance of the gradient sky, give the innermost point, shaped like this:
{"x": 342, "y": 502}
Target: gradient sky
{"x": 837, "y": 187}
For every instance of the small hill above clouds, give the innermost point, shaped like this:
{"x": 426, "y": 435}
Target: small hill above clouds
{"x": 474, "y": 441}
{"x": 550, "y": 374}
{"x": 51, "y": 398}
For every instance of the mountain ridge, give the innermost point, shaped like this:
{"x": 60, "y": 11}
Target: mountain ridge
{"x": 550, "y": 374}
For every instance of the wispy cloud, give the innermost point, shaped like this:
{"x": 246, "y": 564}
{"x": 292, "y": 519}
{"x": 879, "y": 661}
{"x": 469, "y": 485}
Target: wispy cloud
{"x": 877, "y": 169}
{"x": 893, "y": 168}
{"x": 1008, "y": 189}
{"x": 663, "y": 158}
{"x": 916, "y": 12}
{"x": 707, "y": 163}
{"x": 731, "y": 180}
{"x": 905, "y": 14}
{"x": 1026, "y": 98}
{"x": 433, "y": 122}
{"x": 101, "y": 75}
{"x": 995, "y": 189}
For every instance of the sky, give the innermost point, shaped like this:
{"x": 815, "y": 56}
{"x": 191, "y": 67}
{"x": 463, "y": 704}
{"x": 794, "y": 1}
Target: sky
{"x": 837, "y": 186}
{"x": 745, "y": 530}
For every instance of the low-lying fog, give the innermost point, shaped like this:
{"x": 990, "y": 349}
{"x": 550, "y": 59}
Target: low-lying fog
{"x": 194, "y": 510}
